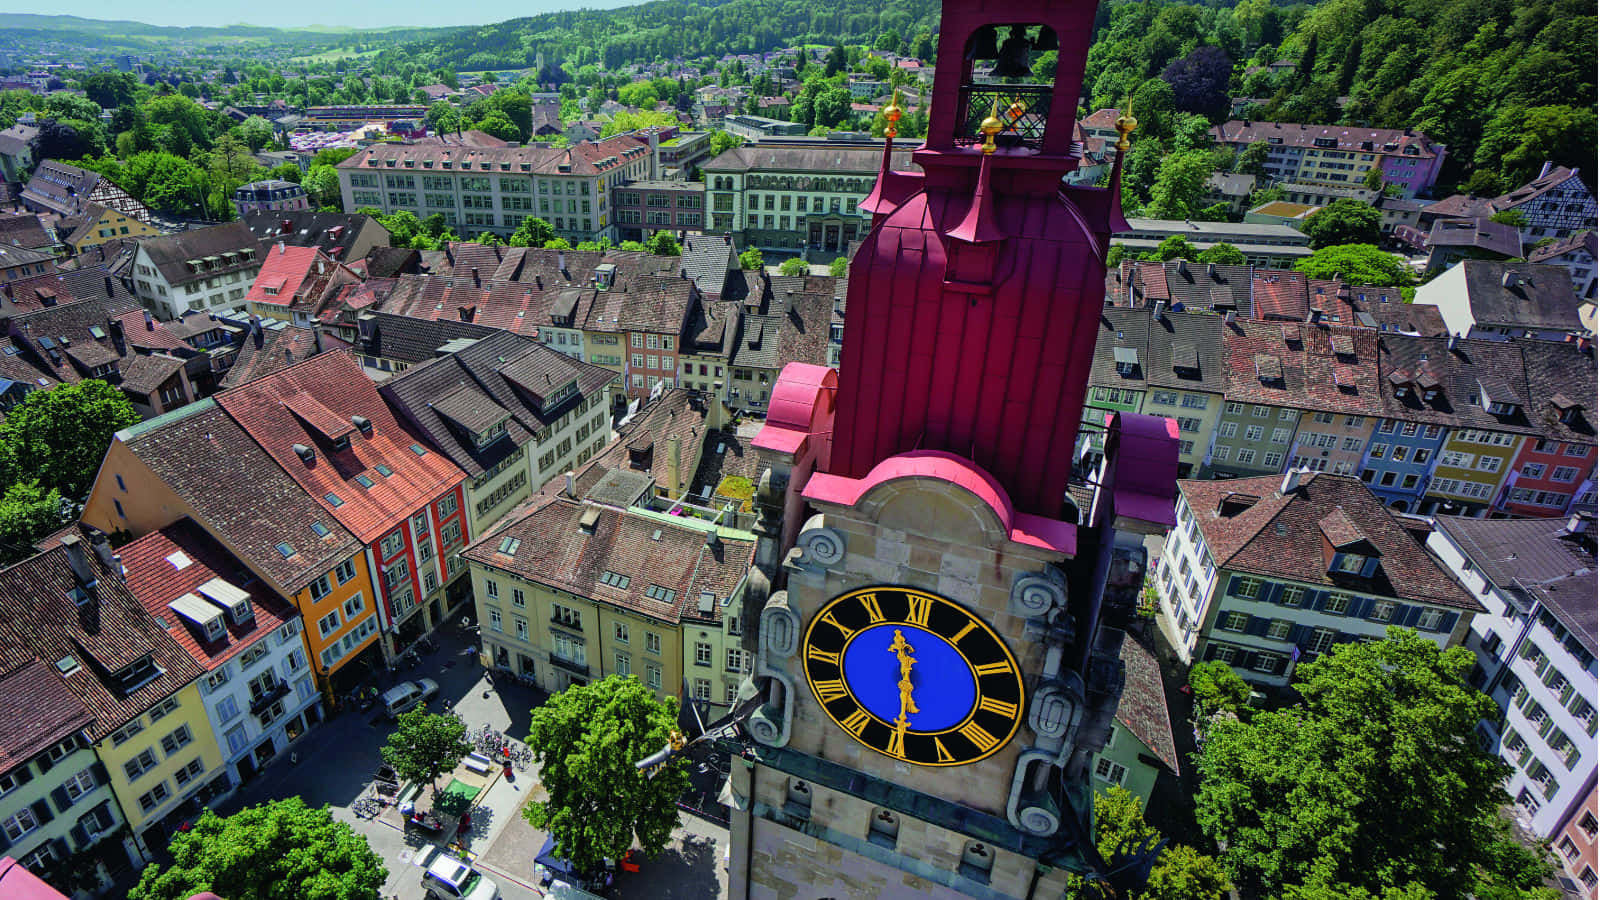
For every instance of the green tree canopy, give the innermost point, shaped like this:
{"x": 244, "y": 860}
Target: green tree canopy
{"x": 1179, "y": 185}
{"x": 1176, "y": 247}
{"x": 751, "y": 260}
{"x": 532, "y": 232}
{"x": 839, "y": 267}
{"x": 276, "y": 851}
{"x": 1217, "y": 687}
{"x": 28, "y": 513}
{"x": 794, "y": 265}
{"x": 1180, "y": 873}
{"x": 425, "y": 745}
{"x": 1357, "y": 264}
{"x": 1343, "y": 221}
{"x": 1378, "y": 761}
{"x": 58, "y": 437}
{"x": 587, "y": 740}
{"x": 256, "y": 132}
{"x": 662, "y": 243}
{"x": 1512, "y": 217}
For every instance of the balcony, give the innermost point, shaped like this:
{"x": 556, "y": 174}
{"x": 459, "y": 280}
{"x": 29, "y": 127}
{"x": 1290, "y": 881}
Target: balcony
{"x": 262, "y": 701}
{"x": 576, "y": 668}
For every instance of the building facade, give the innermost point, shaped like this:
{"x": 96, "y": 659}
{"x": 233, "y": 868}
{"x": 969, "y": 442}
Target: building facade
{"x": 206, "y": 270}
{"x": 644, "y": 207}
{"x": 1339, "y": 155}
{"x": 269, "y": 196}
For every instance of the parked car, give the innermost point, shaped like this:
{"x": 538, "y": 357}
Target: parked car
{"x": 451, "y": 879}
{"x": 403, "y": 697}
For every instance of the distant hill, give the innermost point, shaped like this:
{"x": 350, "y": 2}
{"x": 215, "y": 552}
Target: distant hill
{"x": 121, "y": 36}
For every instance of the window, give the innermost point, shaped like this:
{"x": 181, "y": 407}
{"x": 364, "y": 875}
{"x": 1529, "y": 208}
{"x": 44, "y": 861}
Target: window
{"x": 144, "y": 762}
{"x": 345, "y": 571}
{"x": 735, "y": 660}
{"x": 79, "y": 784}
{"x": 354, "y": 606}
{"x": 1108, "y": 771}
{"x": 619, "y": 632}
{"x": 491, "y": 588}
{"x": 121, "y": 735}
{"x": 1293, "y": 596}
{"x": 1247, "y": 588}
{"x": 702, "y": 689}
{"x": 1336, "y": 604}
{"x": 652, "y": 643}
{"x": 154, "y": 797}
{"x": 1267, "y": 663}
{"x": 1321, "y": 640}
{"x": 652, "y": 676}
{"x": 163, "y": 709}
{"x": 19, "y": 824}
{"x": 392, "y": 544}
{"x": 1235, "y": 621}
{"x": 494, "y": 621}
{"x": 1278, "y": 629}
{"x": 329, "y": 623}
{"x": 177, "y": 740}
{"x": 1382, "y": 611}
{"x": 702, "y": 653}
{"x": 1430, "y": 620}
{"x": 522, "y": 627}
{"x": 517, "y": 598}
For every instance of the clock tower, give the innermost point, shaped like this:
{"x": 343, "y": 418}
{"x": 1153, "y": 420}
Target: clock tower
{"x": 936, "y": 660}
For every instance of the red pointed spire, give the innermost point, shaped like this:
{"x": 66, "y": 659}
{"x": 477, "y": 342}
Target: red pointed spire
{"x": 978, "y": 225}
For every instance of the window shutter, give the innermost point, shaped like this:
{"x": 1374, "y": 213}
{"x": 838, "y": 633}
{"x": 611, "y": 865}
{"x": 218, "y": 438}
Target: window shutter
{"x": 59, "y": 845}
{"x": 1273, "y": 593}
{"x": 60, "y": 798}
{"x": 41, "y": 811}
{"x": 1258, "y": 626}
{"x": 23, "y": 775}
{"x": 1233, "y": 585}
{"x": 100, "y": 775}
{"x": 1211, "y": 652}
{"x": 1315, "y": 599}
{"x": 1408, "y": 616}
{"x": 45, "y": 764}
{"x": 1245, "y": 659}
{"x": 1361, "y": 607}
{"x": 80, "y": 836}
{"x": 5, "y": 842}
{"x": 1299, "y": 634}
{"x": 1448, "y": 624}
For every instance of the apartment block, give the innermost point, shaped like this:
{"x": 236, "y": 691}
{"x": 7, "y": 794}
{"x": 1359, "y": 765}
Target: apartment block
{"x": 1339, "y": 154}
{"x": 205, "y": 270}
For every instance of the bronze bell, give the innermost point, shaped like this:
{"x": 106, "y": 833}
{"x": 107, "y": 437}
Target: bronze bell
{"x": 1013, "y": 56}
{"x": 1046, "y": 39}
{"x": 983, "y": 44}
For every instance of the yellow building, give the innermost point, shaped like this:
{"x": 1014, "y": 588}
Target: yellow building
{"x": 149, "y": 730}
{"x": 657, "y": 597}
{"x": 1473, "y": 465}
{"x": 188, "y": 463}
{"x": 100, "y": 224}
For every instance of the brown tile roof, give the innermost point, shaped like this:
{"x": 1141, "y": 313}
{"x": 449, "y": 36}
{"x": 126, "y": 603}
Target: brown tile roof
{"x": 1280, "y": 536}
{"x": 181, "y": 558}
{"x": 1142, "y": 709}
{"x": 1281, "y": 295}
{"x": 1581, "y": 240}
{"x": 1329, "y": 368}
{"x": 652, "y": 553}
{"x": 281, "y": 347}
{"x": 1561, "y": 374}
{"x": 580, "y": 159}
{"x": 803, "y": 328}
{"x": 37, "y": 711}
{"x": 145, "y": 374}
{"x": 1429, "y": 364}
{"x": 725, "y": 455}
{"x": 105, "y": 635}
{"x": 239, "y": 493}
{"x": 678, "y": 414}
{"x": 171, "y": 252}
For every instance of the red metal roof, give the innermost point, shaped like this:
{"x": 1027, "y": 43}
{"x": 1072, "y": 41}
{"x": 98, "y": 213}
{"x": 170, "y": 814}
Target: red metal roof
{"x": 335, "y": 381}
{"x": 283, "y": 269}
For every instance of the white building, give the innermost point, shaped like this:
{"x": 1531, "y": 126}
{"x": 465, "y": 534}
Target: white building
{"x": 258, "y": 690}
{"x": 1577, "y": 254}
{"x": 1536, "y": 654}
{"x": 1267, "y": 572}
{"x": 205, "y": 270}
{"x": 1499, "y": 301}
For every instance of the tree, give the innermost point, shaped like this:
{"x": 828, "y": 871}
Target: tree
{"x": 1222, "y": 253}
{"x": 1252, "y": 160}
{"x": 496, "y": 123}
{"x": 750, "y": 260}
{"x": 231, "y": 162}
{"x": 110, "y": 90}
{"x": 1512, "y": 217}
{"x": 1200, "y": 80}
{"x": 662, "y": 243}
{"x": 1180, "y": 873}
{"x": 322, "y": 185}
{"x": 1217, "y": 687}
{"x": 256, "y": 132}
{"x": 286, "y": 172}
{"x": 1176, "y": 247}
{"x": 425, "y": 745}
{"x": 839, "y": 267}
{"x": 1179, "y": 185}
{"x": 532, "y": 232}
{"x": 559, "y": 243}
{"x": 632, "y": 246}
{"x": 587, "y": 740}
{"x": 627, "y": 121}
{"x": 1373, "y": 180}
{"x": 1357, "y": 264}
{"x": 1343, "y": 221}
{"x": 59, "y": 139}
{"x": 28, "y": 513}
{"x": 281, "y": 850}
{"x": 59, "y": 436}
{"x": 1380, "y": 759}
{"x": 888, "y": 40}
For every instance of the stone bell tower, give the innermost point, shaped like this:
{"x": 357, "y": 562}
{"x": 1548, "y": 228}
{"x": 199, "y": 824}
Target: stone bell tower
{"x": 937, "y": 653}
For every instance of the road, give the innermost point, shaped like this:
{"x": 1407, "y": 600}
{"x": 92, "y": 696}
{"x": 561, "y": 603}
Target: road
{"x": 336, "y": 763}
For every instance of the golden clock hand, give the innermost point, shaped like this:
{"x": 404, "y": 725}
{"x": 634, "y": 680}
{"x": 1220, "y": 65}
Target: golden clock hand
{"x": 902, "y": 651}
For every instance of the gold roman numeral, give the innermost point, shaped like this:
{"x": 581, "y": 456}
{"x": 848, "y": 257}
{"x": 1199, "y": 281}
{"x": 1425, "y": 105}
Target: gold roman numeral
{"x": 921, "y": 608}
{"x": 897, "y": 743}
{"x": 981, "y": 739}
{"x": 832, "y": 690}
{"x": 990, "y": 704}
{"x": 829, "y": 619}
{"x": 856, "y": 722}
{"x": 821, "y": 655}
{"x": 869, "y": 602}
{"x": 994, "y": 668}
{"x": 970, "y": 628}
{"x": 944, "y": 755}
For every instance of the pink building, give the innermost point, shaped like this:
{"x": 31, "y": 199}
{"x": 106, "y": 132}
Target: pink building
{"x": 1574, "y": 843}
{"x": 1553, "y": 471}
{"x": 262, "y": 196}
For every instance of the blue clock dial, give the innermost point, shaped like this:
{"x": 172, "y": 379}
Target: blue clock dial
{"x": 914, "y": 676}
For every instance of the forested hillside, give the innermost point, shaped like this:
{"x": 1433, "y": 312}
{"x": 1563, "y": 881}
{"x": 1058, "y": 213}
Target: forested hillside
{"x": 669, "y": 28}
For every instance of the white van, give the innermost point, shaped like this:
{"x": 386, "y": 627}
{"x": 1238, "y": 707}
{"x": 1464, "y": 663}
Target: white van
{"x": 407, "y": 694}
{"x": 448, "y": 878}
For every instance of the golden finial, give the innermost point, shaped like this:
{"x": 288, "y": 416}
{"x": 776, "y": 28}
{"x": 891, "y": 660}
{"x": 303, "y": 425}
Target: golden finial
{"x": 991, "y": 126}
{"x": 1125, "y": 125}
{"x": 892, "y": 113}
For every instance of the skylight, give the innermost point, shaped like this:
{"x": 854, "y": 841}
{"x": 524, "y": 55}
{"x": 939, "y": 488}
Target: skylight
{"x": 509, "y": 545}
{"x": 364, "y": 481}
{"x": 383, "y": 470}
{"x": 319, "y": 529}
{"x": 333, "y": 499}
{"x": 417, "y": 449}
{"x": 657, "y": 592}
{"x": 286, "y": 550}
{"x": 615, "y": 580}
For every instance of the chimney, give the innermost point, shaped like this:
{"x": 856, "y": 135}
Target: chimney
{"x": 1291, "y": 481}
{"x": 280, "y": 248}
{"x": 316, "y": 337}
{"x": 1183, "y": 266}
{"x": 1545, "y": 169}
{"x": 570, "y": 484}
{"x": 149, "y": 321}
{"x": 288, "y": 354}
{"x": 1576, "y": 523}
{"x": 117, "y": 339}
{"x": 79, "y": 563}
{"x": 110, "y": 288}
{"x": 466, "y": 313}
{"x": 1509, "y": 280}
{"x": 1314, "y": 317}
{"x": 476, "y": 282}
{"x": 1453, "y": 342}
{"x": 1161, "y": 310}
{"x": 561, "y": 261}
{"x": 1211, "y": 271}
{"x": 449, "y": 257}
{"x": 538, "y": 282}
{"x": 1230, "y": 317}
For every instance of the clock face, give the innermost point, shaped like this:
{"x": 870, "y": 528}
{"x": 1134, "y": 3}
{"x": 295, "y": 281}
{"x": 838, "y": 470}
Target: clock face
{"x": 914, "y": 676}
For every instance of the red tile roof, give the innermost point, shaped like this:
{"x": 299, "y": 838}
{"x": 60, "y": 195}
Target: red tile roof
{"x": 335, "y": 381}
{"x": 156, "y": 578}
{"x": 284, "y": 270}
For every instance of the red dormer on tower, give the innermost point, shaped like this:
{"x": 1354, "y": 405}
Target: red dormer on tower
{"x": 973, "y": 300}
